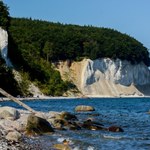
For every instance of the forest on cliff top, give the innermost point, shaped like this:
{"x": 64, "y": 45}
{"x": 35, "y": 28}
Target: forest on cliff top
{"x": 55, "y": 41}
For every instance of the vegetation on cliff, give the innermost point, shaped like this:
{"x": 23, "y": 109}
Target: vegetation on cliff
{"x": 7, "y": 81}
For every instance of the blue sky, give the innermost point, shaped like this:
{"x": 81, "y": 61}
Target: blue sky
{"x": 127, "y": 16}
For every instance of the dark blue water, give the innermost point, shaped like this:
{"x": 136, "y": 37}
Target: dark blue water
{"x": 128, "y": 113}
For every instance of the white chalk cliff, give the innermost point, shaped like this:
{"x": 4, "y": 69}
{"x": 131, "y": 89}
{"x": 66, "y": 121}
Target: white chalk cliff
{"x": 106, "y": 77}
{"x": 4, "y": 46}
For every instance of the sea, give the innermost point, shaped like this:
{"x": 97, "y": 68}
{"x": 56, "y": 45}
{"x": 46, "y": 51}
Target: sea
{"x": 131, "y": 114}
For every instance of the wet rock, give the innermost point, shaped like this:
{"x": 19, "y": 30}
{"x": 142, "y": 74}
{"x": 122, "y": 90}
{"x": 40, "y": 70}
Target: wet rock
{"x": 37, "y": 125}
{"x": 53, "y": 114}
{"x": 9, "y": 113}
{"x": 63, "y": 121}
{"x": 13, "y": 136}
{"x": 94, "y": 115}
{"x": 91, "y": 125}
{"x": 115, "y": 129}
{"x": 62, "y": 124}
{"x": 72, "y": 125}
{"x": 84, "y": 108}
{"x": 63, "y": 146}
{"x": 68, "y": 116}
{"x": 57, "y": 123}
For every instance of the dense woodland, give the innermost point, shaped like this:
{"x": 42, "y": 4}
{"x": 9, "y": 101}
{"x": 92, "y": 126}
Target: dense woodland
{"x": 34, "y": 45}
{"x": 55, "y": 41}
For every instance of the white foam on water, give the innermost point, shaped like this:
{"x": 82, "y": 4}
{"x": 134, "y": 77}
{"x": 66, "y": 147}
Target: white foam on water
{"x": 112, "y": 137}
{"x": 90, "y": 148}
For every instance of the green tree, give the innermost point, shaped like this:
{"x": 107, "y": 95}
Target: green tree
{"x": 4, "y": 15}
{"x": 48, "y": 50}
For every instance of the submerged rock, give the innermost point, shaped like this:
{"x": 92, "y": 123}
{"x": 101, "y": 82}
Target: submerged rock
{"x": 115, "y": 129}
{"x": 61, "y": 147}
{"x": 92, "y": 125}
{"x": 84, "y": 108}
{"x": 68, "y": 116}
{"x": 37, "y": 125}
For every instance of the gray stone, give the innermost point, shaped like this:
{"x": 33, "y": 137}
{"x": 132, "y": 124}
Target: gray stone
{"x": 9, "y": 113}
{"x": 13, "y": 136}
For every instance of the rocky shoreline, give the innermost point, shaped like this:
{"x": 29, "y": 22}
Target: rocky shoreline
{"x": 22, "y": 130}
{"x": 12, "y": 135}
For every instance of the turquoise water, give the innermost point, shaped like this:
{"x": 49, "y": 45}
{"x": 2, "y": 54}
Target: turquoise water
{"x": 128, "y": 113}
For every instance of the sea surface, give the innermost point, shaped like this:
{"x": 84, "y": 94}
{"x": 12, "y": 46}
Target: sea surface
{"x": 131, "y": 114}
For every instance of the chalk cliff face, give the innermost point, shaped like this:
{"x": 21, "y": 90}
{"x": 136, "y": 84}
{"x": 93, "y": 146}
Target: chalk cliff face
{"x": 3, "y": 42}
{"x": 4, "y": 46}
{"x": 106, "y": 77}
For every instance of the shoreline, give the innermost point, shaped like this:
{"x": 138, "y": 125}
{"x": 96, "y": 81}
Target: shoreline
{"x": 62, "y": 98}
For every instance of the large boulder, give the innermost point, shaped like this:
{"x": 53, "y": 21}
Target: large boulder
{"x": 84, "y": 108}
{"x": 37, "y": 125}
{"x": 9, "y": 113}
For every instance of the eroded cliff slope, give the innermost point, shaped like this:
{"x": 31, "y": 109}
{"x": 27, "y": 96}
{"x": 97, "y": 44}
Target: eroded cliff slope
{"x": 106, "y": 77}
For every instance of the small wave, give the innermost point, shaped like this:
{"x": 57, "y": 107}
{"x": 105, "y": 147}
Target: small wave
{"x": 90, "y": 148}
{"x": 112, "y": 137}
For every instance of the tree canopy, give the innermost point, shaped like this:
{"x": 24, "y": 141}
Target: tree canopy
{"x": 4, "y": 15}
{"x": 55, "y": 41}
